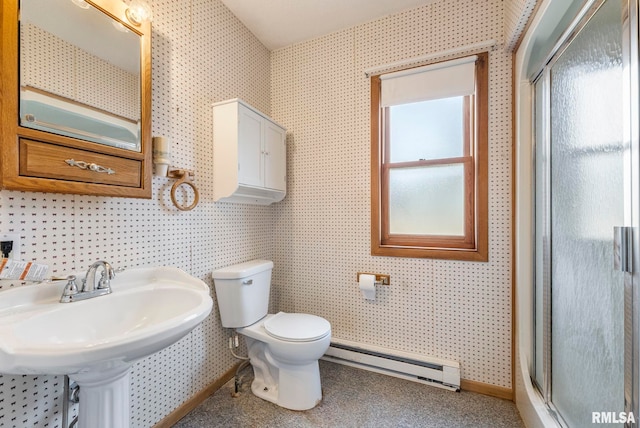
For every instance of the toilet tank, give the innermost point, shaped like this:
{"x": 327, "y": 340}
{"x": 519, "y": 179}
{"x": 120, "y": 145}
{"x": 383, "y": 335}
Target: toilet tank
{"x": 242, "y": 292}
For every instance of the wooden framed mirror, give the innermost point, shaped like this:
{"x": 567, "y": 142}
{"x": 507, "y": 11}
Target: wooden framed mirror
{"x": 76, "y": 98}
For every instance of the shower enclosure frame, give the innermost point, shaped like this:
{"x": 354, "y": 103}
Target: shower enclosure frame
{"x": 535, "y": 403}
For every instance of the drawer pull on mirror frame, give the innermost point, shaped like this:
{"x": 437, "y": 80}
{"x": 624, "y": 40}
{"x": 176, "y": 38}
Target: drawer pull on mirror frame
{"x": 90, "y": 166}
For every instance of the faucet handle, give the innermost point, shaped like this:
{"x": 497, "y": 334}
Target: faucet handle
{"x": 70, "y": 290}
{"x": 111, "y": 272}
{"x": 107, "y": 275}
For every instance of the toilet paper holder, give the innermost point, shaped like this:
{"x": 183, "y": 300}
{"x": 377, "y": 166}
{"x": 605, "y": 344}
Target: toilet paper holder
{"x": 381, "y": 279}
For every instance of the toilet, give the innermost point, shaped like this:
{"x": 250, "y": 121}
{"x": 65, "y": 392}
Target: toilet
{"x": 283, "y": 348}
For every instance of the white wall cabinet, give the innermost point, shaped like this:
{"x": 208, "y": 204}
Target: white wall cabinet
{"x": 249, "y": 155}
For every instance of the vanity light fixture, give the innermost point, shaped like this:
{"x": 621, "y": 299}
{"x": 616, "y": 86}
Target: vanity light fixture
{"x": 139, "y": 11}
{"x": 81, "y": 4}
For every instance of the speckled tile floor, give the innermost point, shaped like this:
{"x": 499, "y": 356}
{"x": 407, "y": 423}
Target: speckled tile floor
{"x": 357, "y": 398}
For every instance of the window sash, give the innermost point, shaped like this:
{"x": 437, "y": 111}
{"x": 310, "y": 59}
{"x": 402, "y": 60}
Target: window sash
{"x": 467, "y": 240}
{"x": 467, "y": 136}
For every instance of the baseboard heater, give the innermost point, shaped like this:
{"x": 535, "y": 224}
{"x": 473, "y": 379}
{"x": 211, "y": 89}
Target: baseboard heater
{"x": 418, "y": 368}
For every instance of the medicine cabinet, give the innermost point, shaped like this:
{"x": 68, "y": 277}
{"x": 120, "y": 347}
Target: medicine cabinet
{"x": 76, "y": 98}
{"x": 249, "y": 155}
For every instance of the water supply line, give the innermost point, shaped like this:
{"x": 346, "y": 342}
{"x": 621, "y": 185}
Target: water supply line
{"x": 71, "y": 394}
{"x": 237, "y": 379}
{"x": 234, "y": 343}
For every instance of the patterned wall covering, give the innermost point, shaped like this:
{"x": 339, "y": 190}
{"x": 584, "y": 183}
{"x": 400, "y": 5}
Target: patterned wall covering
{"x": 516, "y": 17}
{"x": 56, "y": 66}
{"x": 201, "y": 54}
{"x": 318, "y": 237}
{"x": 447, "y": 309}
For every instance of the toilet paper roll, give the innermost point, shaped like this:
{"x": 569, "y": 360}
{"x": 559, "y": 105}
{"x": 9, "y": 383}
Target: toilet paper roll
{"x": 367, "y": 286}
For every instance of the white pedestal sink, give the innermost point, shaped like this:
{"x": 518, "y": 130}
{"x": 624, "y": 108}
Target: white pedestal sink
{"x": 96, "y": 341}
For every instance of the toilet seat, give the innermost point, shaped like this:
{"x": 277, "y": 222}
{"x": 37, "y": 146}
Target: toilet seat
{"x": 297, "y": 327}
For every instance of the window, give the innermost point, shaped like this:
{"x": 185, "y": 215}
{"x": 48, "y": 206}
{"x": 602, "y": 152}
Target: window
{"x": 429, "y": 161}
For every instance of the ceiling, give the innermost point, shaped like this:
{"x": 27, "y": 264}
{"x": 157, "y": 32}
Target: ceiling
{"x": 280, "y": 23}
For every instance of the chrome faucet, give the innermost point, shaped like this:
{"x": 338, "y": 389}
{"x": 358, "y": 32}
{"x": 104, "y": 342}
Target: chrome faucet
{"x": 89, "y": 288}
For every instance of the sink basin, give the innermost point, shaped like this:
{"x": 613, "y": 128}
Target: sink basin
{"x": 148, "y": 310}
{"x": 95, "y": 341}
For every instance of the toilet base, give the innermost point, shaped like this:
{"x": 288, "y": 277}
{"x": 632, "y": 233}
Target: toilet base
{"x": 294, "y": 387}
{"x": 297, "y": 389}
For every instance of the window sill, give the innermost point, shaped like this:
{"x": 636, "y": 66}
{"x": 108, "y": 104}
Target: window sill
{"x": 475, "y": 255}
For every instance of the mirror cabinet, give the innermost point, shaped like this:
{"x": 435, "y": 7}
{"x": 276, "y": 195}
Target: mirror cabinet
{"x": 75, "y": 98}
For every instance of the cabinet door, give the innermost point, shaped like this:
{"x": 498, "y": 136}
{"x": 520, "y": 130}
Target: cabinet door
{"x": 275, "y": 176}
{"x": 250, "y": 155}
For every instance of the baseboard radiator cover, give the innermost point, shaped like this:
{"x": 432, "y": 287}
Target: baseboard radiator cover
{"x": 415, "y": 367}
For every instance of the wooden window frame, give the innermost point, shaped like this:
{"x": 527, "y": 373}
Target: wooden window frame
{"x": 473, "y": 246}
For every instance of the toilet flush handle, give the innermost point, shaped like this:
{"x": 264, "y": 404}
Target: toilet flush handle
{"x": 247, "y": 282}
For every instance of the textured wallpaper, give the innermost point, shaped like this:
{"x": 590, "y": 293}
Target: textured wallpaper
{"x": 56, "y": 66}
{"x": 201, "y": 54}
{"x": 318, "y": 236}
{"x": 516, "y": 16}
{"x": 453, "y": 310}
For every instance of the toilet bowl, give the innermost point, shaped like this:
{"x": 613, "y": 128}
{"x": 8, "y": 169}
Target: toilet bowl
{"x": 283, "y": 348}
{"x": 285, "y": 363}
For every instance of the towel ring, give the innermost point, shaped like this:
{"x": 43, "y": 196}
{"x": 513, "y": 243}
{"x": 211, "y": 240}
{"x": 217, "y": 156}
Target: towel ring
{"x": 184, "y": 177}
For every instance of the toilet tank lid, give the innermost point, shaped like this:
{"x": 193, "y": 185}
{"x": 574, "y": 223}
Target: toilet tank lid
{"x": 242, "y": 270}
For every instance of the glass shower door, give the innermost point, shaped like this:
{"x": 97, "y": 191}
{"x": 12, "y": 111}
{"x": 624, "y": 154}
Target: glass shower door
{"x": 588, "y": 196}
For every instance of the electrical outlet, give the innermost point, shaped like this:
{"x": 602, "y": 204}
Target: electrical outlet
{"x": 15, "y": 251}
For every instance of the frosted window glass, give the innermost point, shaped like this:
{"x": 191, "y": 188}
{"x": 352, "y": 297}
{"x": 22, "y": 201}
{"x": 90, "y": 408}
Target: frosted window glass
{"x": 426, "y": 130}
{"x": 427, "y": 200}
{"x": 587, "y": 201}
